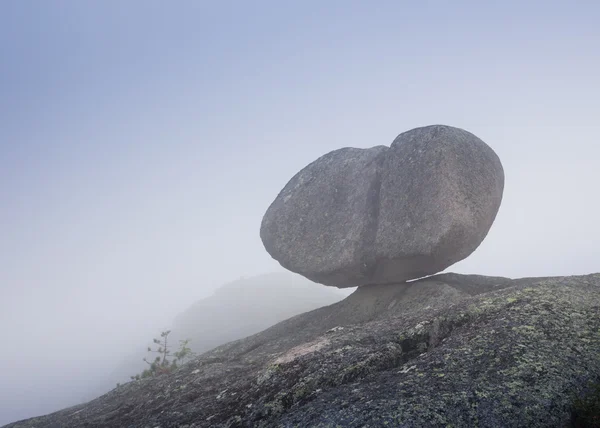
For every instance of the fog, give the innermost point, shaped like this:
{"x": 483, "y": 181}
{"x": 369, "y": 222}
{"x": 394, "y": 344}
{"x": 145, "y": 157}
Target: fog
{"x": 141, "y": 143}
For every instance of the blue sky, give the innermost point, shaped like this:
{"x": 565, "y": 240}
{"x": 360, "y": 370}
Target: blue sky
{"x": 141, "y": 143}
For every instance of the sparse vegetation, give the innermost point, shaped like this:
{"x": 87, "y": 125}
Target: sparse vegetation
{"x": 165, "y": 362}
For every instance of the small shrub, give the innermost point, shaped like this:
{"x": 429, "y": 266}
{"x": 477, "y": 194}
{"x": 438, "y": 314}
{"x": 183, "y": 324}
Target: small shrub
{"x": 163, "y": 363}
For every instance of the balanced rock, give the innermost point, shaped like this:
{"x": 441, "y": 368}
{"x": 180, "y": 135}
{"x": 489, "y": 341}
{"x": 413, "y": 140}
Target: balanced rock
{"x": 387, "y": 214}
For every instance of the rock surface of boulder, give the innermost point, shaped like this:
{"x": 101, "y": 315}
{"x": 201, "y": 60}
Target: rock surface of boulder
{"x": 449, "y": 350}
{"x": 386, "y": 215}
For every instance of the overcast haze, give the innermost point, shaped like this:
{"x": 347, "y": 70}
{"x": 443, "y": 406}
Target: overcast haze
{"x": 141, "y": 143}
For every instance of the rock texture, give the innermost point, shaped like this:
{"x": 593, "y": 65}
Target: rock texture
{"x": 386, "y": 215}
{"x": 450, "y": 350}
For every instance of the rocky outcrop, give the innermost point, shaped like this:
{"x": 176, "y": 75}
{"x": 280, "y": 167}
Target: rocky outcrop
{"x": 359, "y": 217}
{"x": 449, "y": 350}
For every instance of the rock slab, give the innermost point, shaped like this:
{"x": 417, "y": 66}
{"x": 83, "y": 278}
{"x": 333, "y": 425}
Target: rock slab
{"x": 454, "y": 350}
{"x": 383, "y": 215}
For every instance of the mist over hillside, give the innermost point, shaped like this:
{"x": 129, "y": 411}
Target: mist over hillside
{"x": 236, "y": 310}
{"x": 249, "y": 305}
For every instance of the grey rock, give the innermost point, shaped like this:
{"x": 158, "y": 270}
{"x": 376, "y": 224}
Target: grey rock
{"x": 383, "y": 215}
{"x": 322, "y": 223}
{"x": 441, "y": 189}
{"x": 452, "y": 350}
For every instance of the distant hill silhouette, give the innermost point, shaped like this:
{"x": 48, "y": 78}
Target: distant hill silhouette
{"x": 249, "y": 305}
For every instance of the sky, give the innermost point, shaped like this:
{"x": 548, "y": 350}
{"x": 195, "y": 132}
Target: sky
{"x": 141, "y": 143}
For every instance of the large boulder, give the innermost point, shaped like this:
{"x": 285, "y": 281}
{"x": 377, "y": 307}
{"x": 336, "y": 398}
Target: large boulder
{"x": 387, "y": 215}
